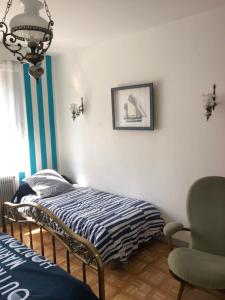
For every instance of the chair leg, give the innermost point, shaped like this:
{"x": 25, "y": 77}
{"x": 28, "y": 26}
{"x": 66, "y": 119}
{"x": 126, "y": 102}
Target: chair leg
{"x": 180, "y": 293}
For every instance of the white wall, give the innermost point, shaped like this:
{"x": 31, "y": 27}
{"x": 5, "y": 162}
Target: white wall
{"x": 183, "y": 59}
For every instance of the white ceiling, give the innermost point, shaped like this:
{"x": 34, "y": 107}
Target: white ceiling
{"x": 84, "y": 22}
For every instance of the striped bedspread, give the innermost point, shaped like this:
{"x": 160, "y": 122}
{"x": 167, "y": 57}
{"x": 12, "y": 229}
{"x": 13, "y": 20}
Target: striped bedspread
{"x": 114, "y": 224}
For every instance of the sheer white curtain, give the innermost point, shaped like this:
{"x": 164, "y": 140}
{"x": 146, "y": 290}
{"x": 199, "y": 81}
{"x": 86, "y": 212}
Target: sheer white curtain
{"x": 13, "y": 136}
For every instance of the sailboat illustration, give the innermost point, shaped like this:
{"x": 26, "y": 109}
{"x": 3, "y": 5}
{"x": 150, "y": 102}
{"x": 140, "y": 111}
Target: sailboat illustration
{"x": 133, "y": 110}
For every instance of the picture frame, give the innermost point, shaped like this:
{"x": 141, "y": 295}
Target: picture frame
{"x": 133, "y": 107}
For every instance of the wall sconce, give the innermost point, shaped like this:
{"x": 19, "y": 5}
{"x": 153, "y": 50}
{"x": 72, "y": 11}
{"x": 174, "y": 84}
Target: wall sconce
{"x": 209, "y": 103}
{"x": 77, "y": 110}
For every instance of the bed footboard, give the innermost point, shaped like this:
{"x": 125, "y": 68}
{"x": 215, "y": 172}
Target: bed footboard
{"x": 73, "y": 243}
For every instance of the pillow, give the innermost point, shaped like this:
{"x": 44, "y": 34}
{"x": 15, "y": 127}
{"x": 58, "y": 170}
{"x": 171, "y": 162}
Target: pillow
{"x": 48, "y": 183}
{"x": 54, "y": 173}
{"x": 23, "y": 190}
{"x": 48, "y": 172}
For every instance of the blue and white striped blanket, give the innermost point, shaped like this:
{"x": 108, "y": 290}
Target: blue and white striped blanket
{"x": 115, "y": 225}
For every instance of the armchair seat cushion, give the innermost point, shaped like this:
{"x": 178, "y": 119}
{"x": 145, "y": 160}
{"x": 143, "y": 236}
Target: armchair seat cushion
{"x": 198, "y": 268}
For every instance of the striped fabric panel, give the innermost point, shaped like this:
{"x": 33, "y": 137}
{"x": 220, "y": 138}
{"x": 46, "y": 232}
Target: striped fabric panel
{"x": 114, "y": 224}
{"x": 51, "y": 111}
{"x": 40, "y": 119}
{"x": 30, "y": 121}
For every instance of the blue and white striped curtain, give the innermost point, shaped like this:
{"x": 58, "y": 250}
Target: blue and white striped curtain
{"x": 27, "y": 121}
{"x": 40, "y": 119}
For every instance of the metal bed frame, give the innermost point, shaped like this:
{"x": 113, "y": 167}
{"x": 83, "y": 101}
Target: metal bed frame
{"x": 74, "y": 244}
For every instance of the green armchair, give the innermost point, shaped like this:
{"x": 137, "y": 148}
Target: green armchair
{"x": 203, "y": 263}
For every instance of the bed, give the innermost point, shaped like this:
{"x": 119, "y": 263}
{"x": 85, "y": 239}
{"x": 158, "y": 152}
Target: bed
{"x": 115, "y": 225}
{"x": 24, "y": 274}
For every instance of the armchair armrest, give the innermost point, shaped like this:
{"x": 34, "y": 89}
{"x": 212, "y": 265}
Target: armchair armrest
{"x": 170, "y": 229}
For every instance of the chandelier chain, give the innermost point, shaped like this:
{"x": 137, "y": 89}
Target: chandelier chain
{"x": 7, "y": 10}
{"x": 47, "y": 10}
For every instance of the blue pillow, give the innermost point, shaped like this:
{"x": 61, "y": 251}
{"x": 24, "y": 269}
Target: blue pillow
{"x": 23, "y": 190}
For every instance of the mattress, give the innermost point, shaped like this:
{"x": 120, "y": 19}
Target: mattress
{"x": 115, "y": 225}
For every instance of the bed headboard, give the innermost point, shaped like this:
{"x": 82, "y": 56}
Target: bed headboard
{"x": 74, "y": 243}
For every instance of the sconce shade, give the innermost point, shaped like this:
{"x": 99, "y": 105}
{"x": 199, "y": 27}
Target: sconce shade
{"x": 73, "y": 107}
{"x": 208, "y": 100}
{"x": 209, "y": 103}
{"x": 76, "y": 109}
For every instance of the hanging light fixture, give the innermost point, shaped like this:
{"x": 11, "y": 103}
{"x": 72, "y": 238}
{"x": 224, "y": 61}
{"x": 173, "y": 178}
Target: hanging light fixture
{"x": 28, "y": 35}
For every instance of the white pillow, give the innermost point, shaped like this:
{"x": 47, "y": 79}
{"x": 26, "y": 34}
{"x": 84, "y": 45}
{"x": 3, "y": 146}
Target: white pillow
{"x": 48, "y": 172}
{"x": 48, "y": 183}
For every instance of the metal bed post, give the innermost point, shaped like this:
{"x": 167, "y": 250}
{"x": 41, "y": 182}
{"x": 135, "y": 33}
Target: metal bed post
{"x": 3, "y": 218}
{"x": 42, "y": 242}
{"x": 12, "y": 229}
{"x": 84, "y": 273}
{"x": 53, "y": 249}
{"x": 21, "y": 232}
{"x": 31, "y": 237}
{"x": 101, "y": 284}
{"x": 68, "y": 261}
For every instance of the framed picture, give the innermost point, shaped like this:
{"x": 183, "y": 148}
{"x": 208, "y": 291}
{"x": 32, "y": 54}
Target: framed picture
{"x": 133, "y": 107}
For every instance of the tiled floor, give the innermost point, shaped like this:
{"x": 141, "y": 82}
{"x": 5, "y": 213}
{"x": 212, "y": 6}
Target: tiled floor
{"x": 144, "y": 277}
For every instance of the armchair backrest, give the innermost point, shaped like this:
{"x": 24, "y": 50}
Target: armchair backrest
{"x": 206, "y": 212}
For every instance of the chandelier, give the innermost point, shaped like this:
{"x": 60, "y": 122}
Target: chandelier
{"x": 28, "y": 35}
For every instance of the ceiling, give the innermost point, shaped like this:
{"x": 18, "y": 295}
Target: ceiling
{"x": 85, "y": 22}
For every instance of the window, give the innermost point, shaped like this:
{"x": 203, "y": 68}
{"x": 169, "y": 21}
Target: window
{"x": 13, "y": 136}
